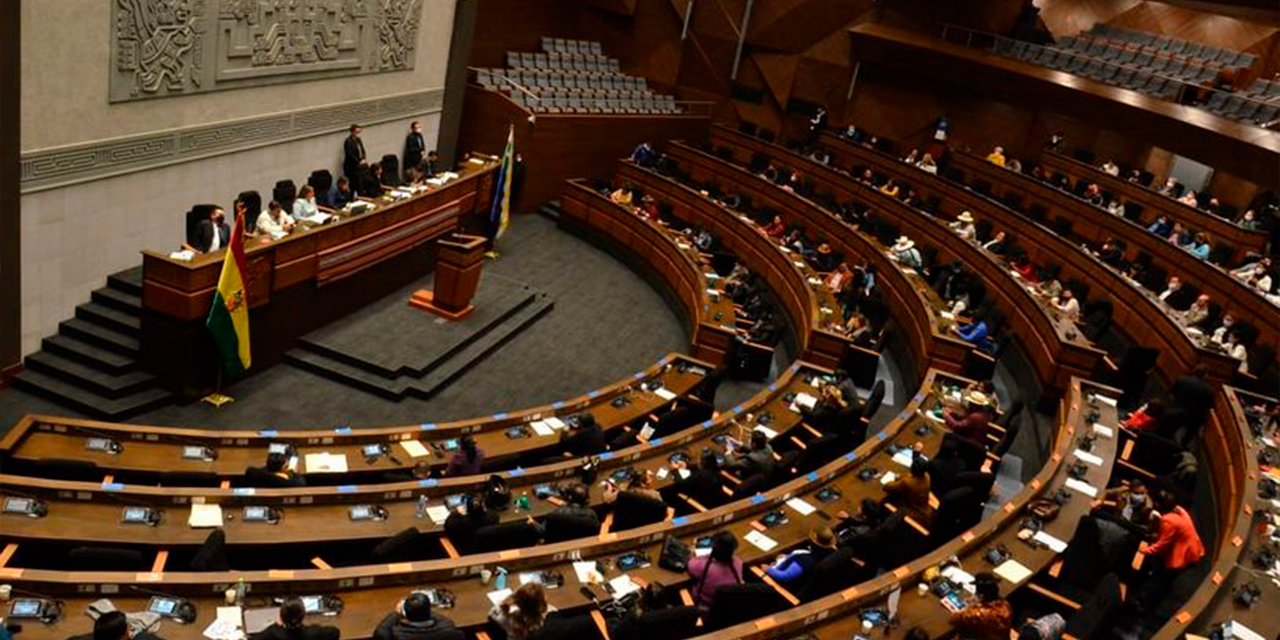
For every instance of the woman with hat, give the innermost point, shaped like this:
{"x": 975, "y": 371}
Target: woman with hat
{"x": 963, "y": 226}
{"x": 904, "y": 252}
{"x": 975, "y": 420}
{"x": 790, "y": 569}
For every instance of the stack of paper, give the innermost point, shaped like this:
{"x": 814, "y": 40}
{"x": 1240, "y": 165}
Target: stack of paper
{"x": 325, "y": 462}
{"x": 904, "y": 457}
{"x": 1082, "y": 487}
{"x": 540, "y": 427}
{"x": 1085, "y": 456}
{"x": 256, "y": 620}
{"x": 1056, "y": 545}
{"x": 438, "y": 513}
{"x": 496, "y": 597}
{"x": 1013, "y": 571}
{"x": 556, "y": 423}
{"x": 622, "y": 585}
{"x": 683, "y": 473}
{"x": 229, "y": 625}
{"x": 801, "y": 507}
{"x": 183, "y": 256}
{"x": 414, "y": 448}
{"x": 587, "y": 572}
{"x": 805, "y": 401}
{"x": 769, "y": 433}
{"x": 665, "y": 394}
{"x": 205, "y": 515}
{"x": 888, "y": 477}
{"x": 760, "y": 540}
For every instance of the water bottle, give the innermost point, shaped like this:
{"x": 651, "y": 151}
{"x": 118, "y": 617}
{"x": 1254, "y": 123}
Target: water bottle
{"x": 421, "y": 508}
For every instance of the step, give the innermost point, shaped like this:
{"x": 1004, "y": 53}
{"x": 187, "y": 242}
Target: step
{"x": 478, "y": 350}
{"x": 550, "y": 209}
{"x": 360, "y": 378}
{"x": 87, "y": 353}
{"x": 122, "y": 321}
{"x": 89, "y": 377}
{"x": 82, "y": 399}
{"x": 129, "y": 280}
{"x": 100, "y": 335}
{"x": 118, "y": 299}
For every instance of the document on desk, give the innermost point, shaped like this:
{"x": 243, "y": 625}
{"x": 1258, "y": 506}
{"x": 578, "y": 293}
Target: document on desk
{"x": 496, "y": 597}
{"x": 587, "y": 572}
{"x": 888, "y": 477}
{"x": 415, "y": 448}
{"x": 1085, "y": 456}
{"x": 768, "y": 433}
{"x": 1082, "y": 487}
{"x": 205, "y": 515}
{"x": 760, "y": 540}
{"x": 805, "y": 401}
{"x": 438, "y": 513}
{"x": 1103, "y": 431}
{"x": 905, "y": 457}
{"x": 1236, "y": 630}
{"x": 256, "y": 620}
{"x": 1054, "y": 544}
{"x": 665, "y": 394}
{"x": 325, "y": 462}
{"x": 801, "y": 507}
{"x": 556, "y": 423}
{"x": 1013, "y": 571}
{"x": 622, "y": 585}
{"x": 228, "y": 625}
{"x": 540, "y": 427}
{"x": 1106, "y": 400}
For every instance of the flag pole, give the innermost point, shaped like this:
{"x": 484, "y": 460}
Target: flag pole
{"x": 217, "y": 398}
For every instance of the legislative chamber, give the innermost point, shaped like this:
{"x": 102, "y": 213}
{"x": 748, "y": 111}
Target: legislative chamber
{"x": 639, "y": 320}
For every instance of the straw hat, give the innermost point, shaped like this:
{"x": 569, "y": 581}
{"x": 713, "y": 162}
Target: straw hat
{"x": 903, "y": 243}
{"x": 965, "y": 217}
{"x": 977, "y": 397}
{"x": 823, "y": 537}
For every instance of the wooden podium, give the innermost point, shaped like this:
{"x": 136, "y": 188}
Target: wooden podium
{"x": 458, "y": 263}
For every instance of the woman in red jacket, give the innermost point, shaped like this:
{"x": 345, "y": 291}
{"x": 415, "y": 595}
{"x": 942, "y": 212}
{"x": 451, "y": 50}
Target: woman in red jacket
{"x": 1177, "y": 548}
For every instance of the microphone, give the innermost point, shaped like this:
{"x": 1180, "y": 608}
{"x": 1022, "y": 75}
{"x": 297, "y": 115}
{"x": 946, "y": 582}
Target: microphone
{"x": 101, "y": 441}
{"x": 25, "y": 504}
{"x": 168, "y": 605}
{"x": 149, "y": 515}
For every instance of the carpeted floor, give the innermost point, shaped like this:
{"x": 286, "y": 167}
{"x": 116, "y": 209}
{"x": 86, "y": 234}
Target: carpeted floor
{"x": 607, "y": 323}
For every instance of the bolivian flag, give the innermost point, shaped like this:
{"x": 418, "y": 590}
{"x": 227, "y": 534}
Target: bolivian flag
{"x": 229, "y": 316}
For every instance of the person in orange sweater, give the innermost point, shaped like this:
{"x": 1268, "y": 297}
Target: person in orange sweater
{"x": 1177, "y": 548}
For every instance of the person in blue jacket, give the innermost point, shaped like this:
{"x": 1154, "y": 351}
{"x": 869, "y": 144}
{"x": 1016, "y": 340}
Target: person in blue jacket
{"x": 975, "y": 333}
{"x": 792, "y": 568}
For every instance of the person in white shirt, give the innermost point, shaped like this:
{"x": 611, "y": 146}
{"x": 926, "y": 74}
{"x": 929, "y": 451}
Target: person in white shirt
{"x": 1171, "y": 288}
{"x": 1068, "y": 304}
{"x": 1220, "y": 334}
{"x": 963, "y": 226}
{"x": 1115, "y": 208}
{"x": 1236, "y": 350}
{"x": 927, "y": 163}
{"x": 995, "y": 244}
{"x": 274, "y": 221}
{"x": 304, "y": 208}
{"x": 1110, "y": 168}
{"x": 1255, "y": 273}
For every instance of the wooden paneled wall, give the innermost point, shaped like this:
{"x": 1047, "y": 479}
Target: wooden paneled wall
{"x": 799, "y": 51}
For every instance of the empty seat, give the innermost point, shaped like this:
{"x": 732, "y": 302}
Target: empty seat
{"x": 1192, "y": 49}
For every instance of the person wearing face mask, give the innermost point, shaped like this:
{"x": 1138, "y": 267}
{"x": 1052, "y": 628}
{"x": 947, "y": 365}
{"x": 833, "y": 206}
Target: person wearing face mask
{"x": 212, "y": 233}
{"x": 1129, "y": 503}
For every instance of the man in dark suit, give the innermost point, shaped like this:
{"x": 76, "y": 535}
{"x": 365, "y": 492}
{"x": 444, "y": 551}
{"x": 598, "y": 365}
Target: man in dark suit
{"x": 1193, "y": 393}
{"x": 415, "y": 147}
{"x": 113, "y": 625}
{"x": 212, "y": 233}
{"x": 353, "y": 155}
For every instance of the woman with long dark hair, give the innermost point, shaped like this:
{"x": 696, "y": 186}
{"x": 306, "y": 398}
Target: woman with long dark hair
{"x": 718, "y": 569}
{"x": 523, "y": 613}
{"x": 291, "y": 625}
{"x": 467, "y": 460}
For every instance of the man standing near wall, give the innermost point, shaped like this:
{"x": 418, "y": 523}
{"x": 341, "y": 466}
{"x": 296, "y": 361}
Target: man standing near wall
{"x": 415, "y": 146}
{"x": 353, "y": 156}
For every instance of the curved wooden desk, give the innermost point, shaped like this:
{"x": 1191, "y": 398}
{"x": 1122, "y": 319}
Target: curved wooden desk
{"x": 912, "y": 301}
{"x": 81, "y": 511}
{"x": 837, "y": 616}
{"x": 1136, "y": 312}
{"x": 679, "y": 265}
{"x": 1154, "y": 204}
{"x": 1054, "y": 345}
{"x": 817, "y": 342}
{"x": 369, "y": 590}
{"x": 150, "y": 452}
{"x": 1095, "y": 225}
{"x": 302, "y": 281}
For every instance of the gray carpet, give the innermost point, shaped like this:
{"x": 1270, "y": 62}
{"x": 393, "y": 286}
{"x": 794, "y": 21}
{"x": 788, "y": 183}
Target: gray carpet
{"x": 607, "y": 323}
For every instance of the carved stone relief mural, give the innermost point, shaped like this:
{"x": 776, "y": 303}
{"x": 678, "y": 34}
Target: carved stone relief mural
{"x": 165, "y": 48}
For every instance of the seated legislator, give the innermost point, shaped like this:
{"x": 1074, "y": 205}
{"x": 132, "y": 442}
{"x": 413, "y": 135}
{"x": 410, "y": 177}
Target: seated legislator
{"x": 467, "y": 460}
{"x": 988, "y": 616}
{"x": 838, "y": 279}
{"x": 370, "y": 185}
{"x": 997, "y": 244}
{"x": 926, "y": 163}
{"x": 523, "y": 614}
{"x": 975, "y": 333}
{"x": 756, "y": 459}
{"x": 275, "y": 222}
{"x": 212, "y": 233}
{"x": 586, "y": 438}
{"x": 1197, "y": 313}
{"x": 112, "y": 625}
{"x": 996, "y": 156}
{"x": 467, "y": 519}
{"x": 1068, "y": 304}
{"x": 776, "y": 228}
{"x": 911, "y": 492}
{"x": 341, "y": 194}
{"x": 622, "y": 196}
{"x": 964, "y": 227}
{"x": 973, "y": 423}
{"x": 577, "y": 500}
{"x": 792, "y": 568}
{"x": 276, "y": 473}
{"x": 291, "y": 625}
{"x": 414, "y": 620}
{"x": 721, "y": 568}
{"x": 305, "y": 208}
{"x": 1256, "y": 274}
{"x": 701, "y": 482}
{"x": 1249, "y": 221}
{"x": 904, "y": 252}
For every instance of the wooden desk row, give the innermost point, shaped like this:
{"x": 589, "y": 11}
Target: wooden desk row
{"x": 838, "y": 616}
{"x": 370, "y": 590}
{"x": 912, "y": 302}
{"x": 147, "y": 453}
{"x": 80, "y": 511}
{"x": 1156, "y": 204}
{"x": 812, "y": 320}
{"x": 1095, "y": 225}
{"x": 1136, "y": 313}
{"x": 302, "y": 281}
{"x": 1054, "y": 345}
{"x": 676, "y": 261}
